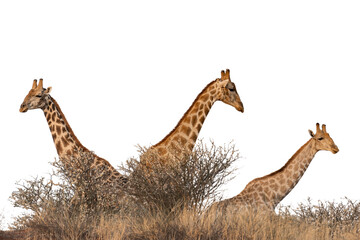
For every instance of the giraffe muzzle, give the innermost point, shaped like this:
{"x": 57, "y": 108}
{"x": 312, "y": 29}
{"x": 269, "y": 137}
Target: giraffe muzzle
{"x": 335, "y": 149}
{"x": 23, "y": 108}
{"x": 240, "y": 107}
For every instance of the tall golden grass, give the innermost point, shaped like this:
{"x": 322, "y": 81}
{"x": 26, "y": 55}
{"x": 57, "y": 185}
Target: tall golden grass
{"x": 168, "y": 202}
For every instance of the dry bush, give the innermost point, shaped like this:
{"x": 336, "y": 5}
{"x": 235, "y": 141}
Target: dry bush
{"x": 68, "y": 203}
{"x": 73, "y": 201}
{"x": 76, "y": 205}
{"x": 179, "y": 183}
{"x": 89, "y": 186}
{"x": 338, "y": 217}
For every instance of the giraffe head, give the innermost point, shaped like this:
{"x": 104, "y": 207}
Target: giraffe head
{"x": 322, "y": 139}
{"x": 36, "y": 97}
{"x": 228, "y": 93}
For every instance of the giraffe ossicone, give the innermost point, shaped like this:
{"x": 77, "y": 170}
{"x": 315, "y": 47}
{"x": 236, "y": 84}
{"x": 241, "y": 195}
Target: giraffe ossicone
{"x": 66, "y": 143}
{"x": 181, "y": 140}
{"x": 266, "y": 192}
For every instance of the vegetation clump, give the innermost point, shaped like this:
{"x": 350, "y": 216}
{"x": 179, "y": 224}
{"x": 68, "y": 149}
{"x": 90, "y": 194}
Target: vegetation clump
{"x": 73, "y": 200}
{"x": 165, "y": 201}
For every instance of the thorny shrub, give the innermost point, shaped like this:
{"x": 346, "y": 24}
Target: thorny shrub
{"x": 191, "y": 182}
{"x": 67, "y": 201}
{"x": 337, "y": 216}
{"x": 73, "y": 200}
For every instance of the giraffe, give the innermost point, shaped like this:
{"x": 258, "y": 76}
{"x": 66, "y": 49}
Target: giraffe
{"x": 266, "y": 192}
{"x": 66, "y": 143}
{"x": 182, "y": 138}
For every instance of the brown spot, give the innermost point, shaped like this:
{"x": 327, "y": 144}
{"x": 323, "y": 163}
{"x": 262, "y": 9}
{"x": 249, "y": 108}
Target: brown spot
{"x": 201, "y": 107}
{"x": 193, "y": 136}
{"x": 48, "y": 116}
{"x": 275, "y": 187}
{"x": 53, "y": 116}
{"x": 202, "y": 119}
{"x": 161, "y": 151}
{"x": 187, "y": 119}
{"x": 65, "y": 143}
{"x": 205, "y": 97}
{"x": 198, "y": 127}
{"x": 282, "y": 181}
{"x": 58, "y": 121}
{"x": 272, "y": 181}
{"x": 174, "y": 146}
{"x": 54, "y": 136}
{"x": 58, "y": 130}
{"x": 209, "y": 105}
{"x": 266, "y": 190}
{"x": 189, "y": 146}
{"x": 193, "y": 120}
{"x": 195, "y": 108}
{"x": 63, "y": 129}
{"x": 59, "y": 147}
{"x": 186, "y": 130}
{"x": 206, "y": 110}
{"x": 296, "y": 166}
{"x": 182, "y": 140}
{"x": 69, "y": 152}
{"x": 213, "y": 92}
{"x": 53, "y": 106}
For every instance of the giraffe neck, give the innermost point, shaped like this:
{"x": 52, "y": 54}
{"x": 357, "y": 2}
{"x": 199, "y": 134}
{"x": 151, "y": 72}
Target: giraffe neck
{"x": 64, "y": 138}
{"x": 67, "y": 144}
{"x": 269, "y": 190}
{"x": 295, "y": 168}
{"x": 184, "y": 135}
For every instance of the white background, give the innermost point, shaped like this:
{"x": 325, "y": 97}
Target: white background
{"x": 124, "y": 74}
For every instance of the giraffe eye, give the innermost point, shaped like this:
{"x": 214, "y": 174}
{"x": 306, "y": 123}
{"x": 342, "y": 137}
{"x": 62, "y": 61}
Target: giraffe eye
{"x": 320, "y": 138}
{"x": 231, "y": 87}
{"x": 38, "y": 96}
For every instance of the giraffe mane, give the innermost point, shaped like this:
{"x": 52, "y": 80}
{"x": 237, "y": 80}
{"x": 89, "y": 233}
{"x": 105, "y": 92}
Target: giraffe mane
{"x": 186, "y": 113}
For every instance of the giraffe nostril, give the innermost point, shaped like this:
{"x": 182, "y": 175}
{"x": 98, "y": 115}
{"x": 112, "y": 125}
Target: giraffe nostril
{"x": 23, "y": 108}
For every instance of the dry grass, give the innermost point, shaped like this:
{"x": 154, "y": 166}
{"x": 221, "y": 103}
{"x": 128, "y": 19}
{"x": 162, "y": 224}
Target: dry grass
{"x": 247, "y": 225}
{"x": 167, "y": 203}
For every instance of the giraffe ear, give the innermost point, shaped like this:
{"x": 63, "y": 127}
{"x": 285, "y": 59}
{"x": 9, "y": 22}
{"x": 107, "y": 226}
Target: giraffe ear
{"x": 311, "y": 133}
{"x": 48, "y": 90}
